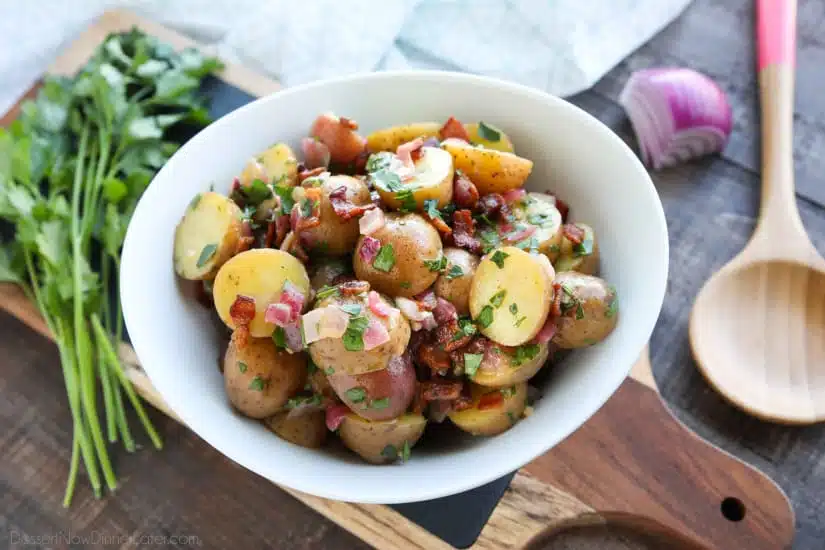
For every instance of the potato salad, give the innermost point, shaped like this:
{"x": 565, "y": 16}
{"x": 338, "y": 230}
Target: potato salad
{"x": 374, "y": 285}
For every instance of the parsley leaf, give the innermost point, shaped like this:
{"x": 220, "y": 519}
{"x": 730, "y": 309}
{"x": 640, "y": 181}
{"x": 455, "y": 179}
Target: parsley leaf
{"x": 436, "y": 265}
{"x": 354, "y": 335}
{"x": 455, "y": 272}
{"x": 356, "y": 395}
{"x": 514, "y": 308}
{"x": 405, "y": 196}
{"x": 326, "y": 291}
{"x": 613, "y": 307}
{"x": 405, "y": 284}
{"x": 352, "y": 309}
{"x": 242, "y": 366}
{"x": 498, "y": 298}
{"x": 431, "y": 208}
{"x": 385, "y": 259}
{"x": 485, "y": 317}
{"x": 488, "y": 133}
{"x": 257, "y": 384}
{"x": 579, "y": 311}
{"x": 523, "y": 354}
{"x": 466, "y": 327}
{"x": 303, "y": 400}
{"x": 382, "y": 403}
{"x": 405, "y": 451}
{"x": 498, "y": 258}
{"x": 471, "y": 363}
{"x": 206, "y": 254}
{"x": 279, "y": 337}
{"x": 285, "y": 194}
{"x": 389, "y": 452}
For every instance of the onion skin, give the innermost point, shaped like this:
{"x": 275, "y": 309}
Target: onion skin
{"x": 677, "y": 115}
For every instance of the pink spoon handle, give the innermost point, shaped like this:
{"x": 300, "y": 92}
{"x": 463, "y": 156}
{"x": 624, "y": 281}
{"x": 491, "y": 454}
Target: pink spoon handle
{"x": 776, "y": 32}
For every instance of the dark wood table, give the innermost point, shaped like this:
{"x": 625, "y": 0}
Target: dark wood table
{"x": 188, "y": 494}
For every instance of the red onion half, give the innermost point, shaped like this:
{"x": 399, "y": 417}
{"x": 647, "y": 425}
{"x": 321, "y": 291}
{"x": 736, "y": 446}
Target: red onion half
{"x": 677, "y": 115}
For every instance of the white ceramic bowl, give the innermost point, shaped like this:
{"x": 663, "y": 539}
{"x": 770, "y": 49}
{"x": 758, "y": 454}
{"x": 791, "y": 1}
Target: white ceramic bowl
{"x": 574, "y": 155}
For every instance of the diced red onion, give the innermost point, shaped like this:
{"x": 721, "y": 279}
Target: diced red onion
{"x": 316, "y": 153}
{"x": 432, "y": 142}
{"x": 375, "y": 334}
{"x": 294, "y": 298}
{"x": 419, "y": 319}
{"x": 521, "y": 234}
{"x": 426, "y": 300}
{"x": 335, "y": 415}
{"x": 547, "y": 331}
{"x": 371, "y": 221}
{"x": 405, "y": 150}
{"x": 379, "y": 306}
{"x": 514, "y": 195}
{"x": 504, "y": 228}
{"x": 278, "y": 314}
{"x": 444, "y": 311}
{"x": 369, "y": 249}
{"x": 677, "y": 115}
{"x": 294, "y": 340}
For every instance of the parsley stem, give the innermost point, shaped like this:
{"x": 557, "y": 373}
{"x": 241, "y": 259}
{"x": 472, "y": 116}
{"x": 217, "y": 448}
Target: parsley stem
{"x": 73, "y": 466}
{"x": 103, "y": 371}
{"x": 122, "y": 422}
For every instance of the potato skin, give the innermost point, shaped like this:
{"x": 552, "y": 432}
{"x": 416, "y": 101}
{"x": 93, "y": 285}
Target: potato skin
{"x": 388, "y": 139}
{"x": 433, "y": 181}
{"x": 491, "y": 171}
{"x": 278, "y": 164}
{"x": 307, "y": 430}
{"x": 368, "y": 439}
{"x": 260, "y": 274}
{"x": 589, "y": 310}
{"x": 499, "y": 367}
{"x": 495, "y": 420}
{"x": 413, "y": 240}
{"x": 572, "y": 258}
{"x": 319, "y": 382}
{"x": 259, "y": 378}
{"x": 344, "y": 143}
{"x": 210, "y": 219}
{"x": 335, "y": 236}
{"x": 333, "y": 358}
{"x": 396, "y": 382}
{"x": 457, "y": 289}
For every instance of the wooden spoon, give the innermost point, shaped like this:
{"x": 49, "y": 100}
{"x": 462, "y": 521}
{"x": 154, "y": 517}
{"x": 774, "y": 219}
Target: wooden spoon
{"x": 757, "y": 328}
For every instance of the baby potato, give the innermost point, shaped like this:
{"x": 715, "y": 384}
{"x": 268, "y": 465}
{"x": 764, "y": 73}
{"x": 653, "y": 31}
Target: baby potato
{"x": 388, "y": 139}
{"x": 335, "y": 236}
{"x": 583, "y": 257}
{"x": 259, "y": 274}
{"x": 207, "y": 236}
{"x": 326, "y": 270}
{"x": 504, "y": 366}
{"x": 406, "y": 263}
{"x": 510, "y": 295}
{"x": 331, "y": 354}
{"x": 259, "y": 378}
{"x": 378, "y": 395}
{"x": 431, "y": 179}
{"x": 497, "y": 414}
{"x": 490, "y": 137}
{"x": 278, "y": 164}
{"x": 539, "y": 210}
{"x": 453, "y": 284}
{"x": 319, "y": 383}
{"x": 590, "y": 310}
{"x": 382, "y": 441}
{"x": 339, "y": 135}
{"x": 491, "y": 171}
{"x": 308, "y": 429}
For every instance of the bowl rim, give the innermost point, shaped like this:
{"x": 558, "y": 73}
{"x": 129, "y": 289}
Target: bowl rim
{"x": 130, "y": 286}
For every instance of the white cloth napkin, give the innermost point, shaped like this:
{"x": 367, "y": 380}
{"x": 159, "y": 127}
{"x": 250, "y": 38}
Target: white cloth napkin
{"x": 560, "y": 46}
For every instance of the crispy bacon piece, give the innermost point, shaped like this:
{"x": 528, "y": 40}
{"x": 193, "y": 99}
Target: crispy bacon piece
{"x": 335, "y": 415}
{"x": 306, "y": 173}
{"x": 434, "y": 357}
{"x": 299, "y": 219}
{"x": 490, "y": 400}
{"x": 440, "y": 225}
{"x": 348, "y": 123}
{"x": 242, "y": 311}
{"x": 418, "y": 403}
{"x": 563, "y": 208}
{"x": 555, "y": 307}
{"x": 297, "y": 249}
{"x": 351, "y": 288}
{"x": 465, "y": 193}
{"x": 344, "y": 207}
{"x": 453, "y": 129}
{"x": 573, "y": 233}
{"x": 490, "y": 205}
{"x": 269, "y": 238}
{"x": 450, "y": 337}
{"x": 247, "y": 238}
{"x": 440, "y": 390}
{"x": 236, "y": 184}
{"x": 463, "y": 401}
{"x": 464, "y": 227}
{"x": 281, "y": 229}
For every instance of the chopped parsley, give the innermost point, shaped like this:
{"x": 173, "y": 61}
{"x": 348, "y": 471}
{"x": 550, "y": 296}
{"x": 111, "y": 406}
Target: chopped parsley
{"x": 485, "y": 317}
{"x": 279, "y": 337}
{"x": 242, "y": 366}
{"x": 206, "y": 254}
{"x": 431, "y": 208}
{"x": 519, "y": 321}
{"x": 352, "y": 309}
{"x": 523, "y": 354}
{"x": 354, "y": 335}
{"x": 311, "y": 366}
{"x": 386, "y": 181}
{"x": 195, "y": 200}
{"x": 389, "y": 452}
{"x": 498, "y": 258}
{"x": 514, "y": 308}
{"x": 405, "y": 284}
{"x": 257, "y": 384}
{"x": 512, "y": 417}
{"x": 382, "y": 403}
{"x": 498, "y": 298}
{"x": 584, "y": 248}
{"x": 405, "y": 197}
{"x": 538, "y": 219}
{"x": 325, "y": 292}
{"x": 613, "y": 307}
{"x": 285, "y": 194}
{"x": 301, "y": 400}
{"x": 436, "y": 265}
{"x": 508, "y": 392}
{"x": 455, "y": 272}
{"x": 528, "y": 244}
{"x": 405, "y": 451}
{"x": 307, "y": 207}
{"x": 554, "y": 248}
{"x": 488, "y": 133}
{"x": 579, "y": 311}
{"x": 385, "y": 259}
{"x": 378, "y": 161}
{"x": 356, "y": 395}
{"x": 471, "y": 363}
{"x": 329, "y": 371}
{"x": 490, "y": 238}
{"x": 568, "y": 299}
{"x": 466, "y": 328}
{"x": 256, "y": 192}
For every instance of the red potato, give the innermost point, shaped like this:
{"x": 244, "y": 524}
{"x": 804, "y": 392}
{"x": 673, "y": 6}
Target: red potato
{"x": 378, "y": 395}
{"x": 339, "y": 135}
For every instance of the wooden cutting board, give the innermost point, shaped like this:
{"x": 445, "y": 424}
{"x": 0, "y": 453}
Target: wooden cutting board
{"x": 632, "y": 463}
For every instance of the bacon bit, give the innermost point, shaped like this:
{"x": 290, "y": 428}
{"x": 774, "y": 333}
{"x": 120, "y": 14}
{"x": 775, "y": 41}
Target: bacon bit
{"x": 298, "y": 220}
{"x": 344, "y": 207}
{"x": 462, "y": 402}
{"x": 513, "y": 195}
{"x": 520, "y": 235}
{"x": 306, "y": 173}
{"x": 441, "y": 390}
{"x": 351, "y": 288}
{"x": 269, "y": 238}
{"x": 241, "y": 336}
{"x": 490, "y": 401}
{"x": 547, "y": 331}
{"x": 573, "y": 233}
{"x": 278, "y": 314}
{"x": 348, "y": 123}
{"x": 281, "y": 229}
{"x": 454, "y": 129}
{"x": 242, "y": 310}
{"x": 316, "y": 153}
{"x": 378, "y": 306}
{"x": 440, "y": 225}
{"x": 562, "y": 208}
{"x": 426, "y": 300}
{"x": 450, "y": 337}
{"x": 555, "y": 307}
{"x": 372, "y": 220}
{"x": 464, "y": 227}
{"x": 465, "y": 193}
{"x": 405, "y": 150}
{"x": 444, "y": 311}
{"x": 490, "y": 205}
{"x": 335, "y": 414}
{"x": 418, "y": 403}
{"x": 434, "y": 357}
{"x": 247, "y": 238}
{"x": 294, "y": 298}
{"x": 236, "y": 185}
{"x": 375, "y": 335}
{"x": 369, "y": 249}
{"x": 292, "y": 245}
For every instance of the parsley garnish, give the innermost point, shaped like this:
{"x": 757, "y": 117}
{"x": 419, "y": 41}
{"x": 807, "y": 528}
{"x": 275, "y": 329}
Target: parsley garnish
{"x": 386, "y": 181}
{"x": 206, "y": 254}
{"x": 520, "y": 321}
{"x": 329, "y": 371}
{"x": 498, "y": 298}
{"x": 514, "y": 308}
{"x": 242, "y": 366}
{"x": 466, "y": 328}
{"x": 471, "y": 363}
{"x": 256, "y": 192}
{"x": 554, "y": 248}
{"x": 300, "y": 400}
{"x": 512, "y": 417}
{"x": 385, "y": 259}
{"x": 311, "y": 366}
{"x": 354, "y": 335}
{"x": 356, "y": 395}
{"x": 455, "y": 272}
{"x": 613, "y": 307}
{"x": 285, "y": 193}
{"x": 488, "y": 133}
{"x": 485, "y": 317}
{"x": 195, "y": 200}
{"x": 538, "y": 219}
{"x": 405, "y": 451}
{"x": 307, "y": 206}
{"x": 405, "y": 284}
{"x": 389, "y": 452}
{"x": 436, "y": 265}
{"x": 352, "y": 309}
{"x": 523, "y": 354}
{"x": 498, "y": 258}
{"x": 584, "y": 248}
{"x": 431, "y": 208}
{"x": 579, "y": 311}
{"x": 378, "y": 161}
{"x": 279, "y": 337}
{"x": 528, "y": 244}
{"x": 326, "y": 291}
{"x": 257, "y": 384}
{"x": 382, "y": 403}
{"x": 405, "y": 196}
{"x": 508, "y": 392}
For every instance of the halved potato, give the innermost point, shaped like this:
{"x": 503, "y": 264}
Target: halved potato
{"x": 455, "y": 281}
{"x": 308, "y": 429}
{"x": 259, "y": 274}
{"x": 511, "y": 295}
{"x": 391, "y": 388}
{"x": 590, "y": 310}
{"x": 278, "y": 164}
{"x": 381, "y": 441}
{"x": 432, "y": 178}
{"x": 497, "y": 418}
{"x": 493, "y": 137}
{"x": 539, "y": 210}
{"x": 504, "y": 366}
{"x": 388, "y": 139}
{"x": 207, "y": 236}
{"x": 583, "y": 257}
{"x": 491, "y": 171}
